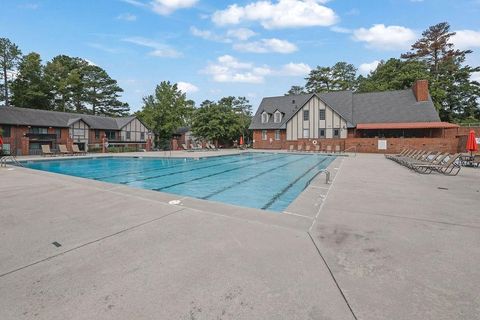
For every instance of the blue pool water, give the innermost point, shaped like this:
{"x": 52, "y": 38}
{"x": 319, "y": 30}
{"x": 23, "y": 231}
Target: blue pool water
{"x": 259, "y": 180}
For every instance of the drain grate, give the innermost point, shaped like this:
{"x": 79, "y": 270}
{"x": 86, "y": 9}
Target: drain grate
{"x": 442, "y": 188}
{"x": 56, "y": 244}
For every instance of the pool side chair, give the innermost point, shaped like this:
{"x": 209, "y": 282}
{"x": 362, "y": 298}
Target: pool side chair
{"x": 422, "y": 157}
{"x": 402, "y": 153}
{"x": 299, "y": 147}
{"x": 62, "y": 149}
{"x": 436, "y": 159}
{"x": 307, "y": 148}
{"x": 416, "y": 157}
{"x": 450, "y": 167}
{"x": 476, "y": 160}
{"x": 46, "y": 150}
{"x": 77, "y": 151}
{"x": 329, "y": 149}
{"x": 412, "y": 155}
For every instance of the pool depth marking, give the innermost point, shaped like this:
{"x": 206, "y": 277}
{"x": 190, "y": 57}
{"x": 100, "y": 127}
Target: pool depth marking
{"x": 210, "y": 175}
{"x": 250, "y": 178}
{"x": 284, "y": 190}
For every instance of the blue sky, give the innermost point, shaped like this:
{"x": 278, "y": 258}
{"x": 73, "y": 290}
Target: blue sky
{"x": 220, "y": 48}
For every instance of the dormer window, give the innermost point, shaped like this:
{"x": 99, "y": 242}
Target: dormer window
{"x": 264, "y": 117}
{"x": 277, "y": 117}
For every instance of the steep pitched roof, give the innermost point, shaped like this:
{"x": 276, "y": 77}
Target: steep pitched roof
{"x": 374, "y": 107}
{"x": 45, "y": 118}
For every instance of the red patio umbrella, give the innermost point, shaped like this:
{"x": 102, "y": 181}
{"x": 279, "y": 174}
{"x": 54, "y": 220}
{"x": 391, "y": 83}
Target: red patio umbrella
{"x": 241, "y": 140}
{"x": 471, "y": 142}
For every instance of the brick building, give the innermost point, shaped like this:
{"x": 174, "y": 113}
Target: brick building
{"x": 366, "y": 122}
{"x": 25, "y": 130}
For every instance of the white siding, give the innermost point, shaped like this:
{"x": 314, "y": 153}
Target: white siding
{"x": 135, "y": 128}
{"x": 79, "y": 131}
{"x": 332, "y": 121}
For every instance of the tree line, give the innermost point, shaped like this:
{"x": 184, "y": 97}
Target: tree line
{"x": 433, "y": 57}
{"x": 67, "y": 84}
{"x": 220, "y": 121}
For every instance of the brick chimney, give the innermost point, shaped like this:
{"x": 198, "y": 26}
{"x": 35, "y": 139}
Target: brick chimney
{"x": 420, "y": 90}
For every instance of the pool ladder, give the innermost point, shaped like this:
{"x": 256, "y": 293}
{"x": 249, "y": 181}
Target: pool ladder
{"x": 327, "y": 177}
{"x": 5, "y": 159}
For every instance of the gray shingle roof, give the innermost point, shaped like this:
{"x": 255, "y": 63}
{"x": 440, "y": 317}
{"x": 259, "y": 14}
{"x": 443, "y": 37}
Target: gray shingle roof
{"x": 374, "y": 107}
{"x": 44, "y": 118}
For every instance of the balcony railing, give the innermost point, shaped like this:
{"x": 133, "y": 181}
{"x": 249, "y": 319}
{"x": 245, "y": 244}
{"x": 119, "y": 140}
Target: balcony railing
{"x": 41, "y": 136}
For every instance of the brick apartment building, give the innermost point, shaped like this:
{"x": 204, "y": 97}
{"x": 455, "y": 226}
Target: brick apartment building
{"x": 382, "y": 122}
{"x": 25, "y": 130}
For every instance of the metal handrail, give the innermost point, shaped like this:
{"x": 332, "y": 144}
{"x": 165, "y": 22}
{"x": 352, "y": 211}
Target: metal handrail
{"x": 3, "y": 161}
{"x": 354, "y": 152}
{"x": 327, "y": 177}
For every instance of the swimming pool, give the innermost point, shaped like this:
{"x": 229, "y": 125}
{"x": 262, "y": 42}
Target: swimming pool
{"x": 269, "y": 181}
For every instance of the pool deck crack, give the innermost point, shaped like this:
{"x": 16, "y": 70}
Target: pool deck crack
{"x": 90, "y": 242}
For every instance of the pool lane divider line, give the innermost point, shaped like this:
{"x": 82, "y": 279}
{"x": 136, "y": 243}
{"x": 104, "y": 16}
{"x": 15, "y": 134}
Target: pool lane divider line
{"x": 284, "y": 190}
{"x": 192, "y": 169}
{"x": 210, "y": 175}
{"x": 250, "y": 178}
{"x": 181, "y": 160}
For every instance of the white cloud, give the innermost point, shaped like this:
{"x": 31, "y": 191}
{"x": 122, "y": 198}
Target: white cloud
{"x": 208, "y": 35}
{"x": 163, "y": 7}
{"x": 466, "y": 39}
{"x": 102, "y": 47}
{"x": 230, "y": 69}
{"x": 295, "y": 69}
{"x": 241, "y": 33}
{"x": 475, "y": 76}
{"x": 160, "y": 49}
{"x": 366, "y": 68}
{"x": 90, "y": 62}
{"x": 29, "y": 6}
{"x": 385, "y": 37}
{"x": 340, "y": 29}
{"x": 281, "y": 14}
{"x": 127, "y": 17}
{"x": 267, "y": 45}
{"x": 187, "y": 87}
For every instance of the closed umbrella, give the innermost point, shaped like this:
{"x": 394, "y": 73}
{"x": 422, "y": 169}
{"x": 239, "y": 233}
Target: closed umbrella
{"x": 241, "y": 140}
{"x": 472, "y": 142}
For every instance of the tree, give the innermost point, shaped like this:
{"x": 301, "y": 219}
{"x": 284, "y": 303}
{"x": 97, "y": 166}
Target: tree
{"x": 165, "y": 111}
{"x": 29, "y": 89}
{"x": 341, "y": 76}
{"x": 295, "y": 90}
{"x": 223, "y": 121}
{"x": 454, "y": 94}
{"x": 393, "y": 74}
{"x": 102, "y": 92}
{"x": 10, "y": 56}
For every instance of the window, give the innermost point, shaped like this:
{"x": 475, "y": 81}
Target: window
{"x": 336, "y": 133}
{"x": 58, "y": 133}
{"x": 142, "y": 136}
{"x": 306, "y": 115}
{"x": 321, "y": 133}
{"x": 278, "y": 117}
{"x": 264, "y": 117}
{"x": 97, "y": 134}
{"x": 264, "y": 134}
{"x": 110, "y": 135}
{"x": 38, "y": 130}
{"x": 321, "y": 114}
{"x": 306, "y": 133}
{"x": 277, "y": 135}
{"x": 128, "y": 135}
{"x": 6, "y": 131}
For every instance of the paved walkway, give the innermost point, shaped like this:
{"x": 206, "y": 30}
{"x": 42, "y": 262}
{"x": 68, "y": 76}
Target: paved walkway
{"x": 387, "y": 244}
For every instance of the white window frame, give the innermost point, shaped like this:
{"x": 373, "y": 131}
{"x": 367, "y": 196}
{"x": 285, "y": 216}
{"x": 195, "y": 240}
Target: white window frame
{"x": 264, "y": 135}
{"x": 277, "y": 135}
{"x": 324, "y": 133}
{"x": 306, "y": 130}
{"x": 337, "y": 135}
{"x": 264, "y": 117}
{"x": 324, "y": 114}
{"x": 306, "y": 112}
{"x": 277, "y": 117}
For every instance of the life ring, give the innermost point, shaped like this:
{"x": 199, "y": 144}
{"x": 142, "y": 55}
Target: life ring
{"x": 314, "y": 142}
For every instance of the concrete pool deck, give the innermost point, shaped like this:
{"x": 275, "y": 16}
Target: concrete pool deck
{"x": 380, "y": 242}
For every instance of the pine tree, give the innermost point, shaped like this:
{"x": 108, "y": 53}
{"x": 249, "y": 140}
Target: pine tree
{"x": 10, "y": 56}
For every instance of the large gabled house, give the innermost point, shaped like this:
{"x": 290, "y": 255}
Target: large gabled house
{"x": 25, "y": 130}
{"x": 369, "y": 122}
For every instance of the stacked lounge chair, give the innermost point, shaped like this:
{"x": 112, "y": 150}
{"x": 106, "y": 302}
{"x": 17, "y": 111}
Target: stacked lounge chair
{"x": 426, "y": 162}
